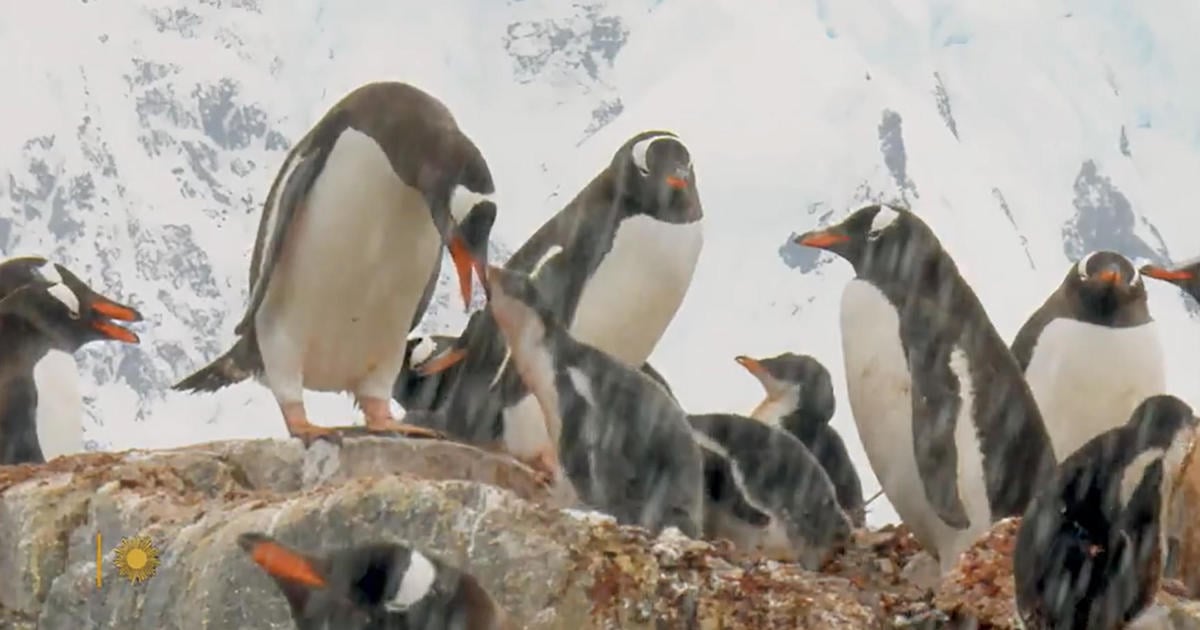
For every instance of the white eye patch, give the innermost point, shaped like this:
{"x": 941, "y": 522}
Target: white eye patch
{"x": 49, "y": 272}
{"x": 61, "y": 293}
{"x": 462, "y": 199}
{"x": 422, "y": 352}
{"x": 638, "y": 153}
{"x": 885, "y": 217}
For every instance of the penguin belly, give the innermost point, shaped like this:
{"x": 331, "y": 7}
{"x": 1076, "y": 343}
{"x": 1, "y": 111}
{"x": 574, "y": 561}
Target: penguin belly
{"x": 59, "y": 413}
{"x": 634, "y": 293}
{"x": 350, "y": 276}
{"x": 879, "y": 386}
{"x": 1088, "y": 379}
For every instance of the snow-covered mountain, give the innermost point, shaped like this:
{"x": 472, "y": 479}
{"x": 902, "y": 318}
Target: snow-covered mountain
{"x": 140, "y": 138}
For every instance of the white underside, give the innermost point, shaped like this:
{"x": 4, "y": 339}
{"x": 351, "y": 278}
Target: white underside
{"x": 1088, "y": 379}
{"x": 880, "y": 391}
{"x": 340, "y": 300}
{"x": 777, "y": 404}
{"x": 632, "y": 297}
{"x": 59, "y": 405}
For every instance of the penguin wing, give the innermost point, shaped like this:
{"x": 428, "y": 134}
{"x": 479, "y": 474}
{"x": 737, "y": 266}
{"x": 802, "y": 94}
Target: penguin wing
{"x": 427, "y": 296}
{"x": 1027, "y": 337}
{"x": 935, "y": 407}
{"x": 555, "y": 232}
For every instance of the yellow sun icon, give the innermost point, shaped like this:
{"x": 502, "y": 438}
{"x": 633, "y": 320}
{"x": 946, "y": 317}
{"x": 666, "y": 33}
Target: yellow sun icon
{"x": 136, "y": 558}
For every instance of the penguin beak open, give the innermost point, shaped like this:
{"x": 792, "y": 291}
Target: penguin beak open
{"x": 104, "y": 310}
{"x": 821, "y": 239}
{"x": 1160, "y": 273}
{"x": 283, "y": 563}
{"x": 442, "y": 362}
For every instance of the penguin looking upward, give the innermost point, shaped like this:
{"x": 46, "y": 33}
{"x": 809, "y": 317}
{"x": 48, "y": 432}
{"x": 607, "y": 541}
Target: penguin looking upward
{"x": 380, "y": 586}
{"x": 800, "y": 401}
{"x": 629, "y": 243}
{"x": 949, "y": 425}
{"x": 42, "y": 324}
{"x": 350, "y": 236}
{"x": 1186, "y": 276}
{"x": 625, "y": 444}
{"x": 1089, "y": 551}
{"x": 1096, "y": 318}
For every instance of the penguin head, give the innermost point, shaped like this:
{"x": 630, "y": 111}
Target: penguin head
{"x": 878, "y": 239}
{"x": 654, "y": 170}
{"x": 433, "y": 354}
{"x": 358, "y": 587}
{"x": 1104, "y": 281}
{"x": 1185, "y": 276}
{"x": 797, "y": 377}
{"x": 465, "y": 229}
{"x": 1159, "y": 421}
{"x": 68, "y": 318}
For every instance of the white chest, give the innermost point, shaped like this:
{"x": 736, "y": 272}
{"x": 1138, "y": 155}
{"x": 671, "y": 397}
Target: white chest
{"x": 59, "y": 405}
{"x": 1087, "y": 379}
{"x": 357, "y": 259}
{"x": 637, "y": 289}
{"x": 777, "y": 405}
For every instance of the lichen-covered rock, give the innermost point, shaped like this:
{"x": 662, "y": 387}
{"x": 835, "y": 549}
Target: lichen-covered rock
{"x": 548, "y": 567}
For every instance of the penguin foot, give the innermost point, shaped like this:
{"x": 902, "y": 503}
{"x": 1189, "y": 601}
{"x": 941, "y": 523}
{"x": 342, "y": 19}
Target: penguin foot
{"x": 389, "y": 425}
{"x": 545, "y": 466}
{"x": 311, "y": 433}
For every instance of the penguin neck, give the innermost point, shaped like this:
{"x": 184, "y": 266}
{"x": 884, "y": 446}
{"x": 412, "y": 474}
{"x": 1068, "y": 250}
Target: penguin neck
{"x": 806, "y": 425}
{"x": 26, "y": 341}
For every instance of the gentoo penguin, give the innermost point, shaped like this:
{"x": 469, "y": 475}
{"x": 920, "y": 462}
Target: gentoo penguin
{"x": 1089, "y": 550}
{"x": 799, "y": 399}
{"x": 1095, "y": 319}
{"x": 630, "y": 241}
{"x": 748, "y": 462}
{"x": 42, "y": 324}
{"x": 945, "y": 417}
{"x": 624, "y": 443}
{"x": 1186, "y": 276}
{"x": 422, "y": 384}
{"x": 379, "y": 586}
{"x": 350, "y": 235}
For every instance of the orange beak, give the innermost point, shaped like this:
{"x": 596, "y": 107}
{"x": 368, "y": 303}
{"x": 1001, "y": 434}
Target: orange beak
{"x": 281, "y": 562}
{"x": 464, "y": 262}
{"x": 1109, "y": 277}
{"x": 442, "y": 362}
{"x": 821, "y": 238}
{"x": 1159, "y": 273}
{"x": 113, "y": 310}
{"x": 751, "y": 365}
{"x": 678, "y": 183}
{"x": 115, "y": 332}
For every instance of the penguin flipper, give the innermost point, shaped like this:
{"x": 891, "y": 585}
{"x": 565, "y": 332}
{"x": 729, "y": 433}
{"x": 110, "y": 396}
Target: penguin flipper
{"x": 239, "y": 363}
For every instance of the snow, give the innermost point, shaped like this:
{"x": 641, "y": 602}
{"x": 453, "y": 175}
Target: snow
{"x": 780, "y": 103}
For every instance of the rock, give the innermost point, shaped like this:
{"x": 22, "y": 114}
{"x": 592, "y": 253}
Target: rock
{"x": 1183, "y": 521}
{"x": 548, "y": 567}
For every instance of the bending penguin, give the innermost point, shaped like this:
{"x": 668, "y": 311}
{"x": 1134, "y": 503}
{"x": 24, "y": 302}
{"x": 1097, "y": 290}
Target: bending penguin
{"x": 944, "y": 415}
{"x": 1186, "y": 276}
{"x": 1095, "y": 319}
{"x": 628, "y": 245}
{"x": 624, "y": 443}
{"x": 765, "y": 492}
{"x": 799, "y": 399}
{"x": 1090, "y": 549}
{"x": 350, "y": 236}
{"x": 380, "y": 586}
{"x": 43, "y": 322}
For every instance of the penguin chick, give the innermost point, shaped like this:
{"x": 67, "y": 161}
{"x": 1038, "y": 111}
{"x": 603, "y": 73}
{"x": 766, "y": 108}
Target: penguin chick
{"x": 1090, "y": 547}
{"x": 382, "y": 586}
{"x": 1096, "y": 318}
{"x": 945, "y": 417}
{"x": 42, "y": 325}
{"x": 799, "y": 399}
{"x": 623, "y": 442}
{"x": 754, "y": 470}
{"x": 1186, "y": 276}
{"x": 423, "y": 383}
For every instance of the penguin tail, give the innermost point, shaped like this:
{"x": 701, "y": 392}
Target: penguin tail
{"x": 237, "y": 364}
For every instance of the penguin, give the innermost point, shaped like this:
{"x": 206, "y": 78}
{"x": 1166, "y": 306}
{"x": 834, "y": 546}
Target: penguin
{"x": 350, "y": 236}
{"x": 748, "y": 463}
{"x": 1089, "y": 550}
{"x": 42, "y": 324}
{"x": 1185, "y": 275}
{"x": 800, "y": 401}
{"x": 625, "y": 445}
{"x": 630, "y": 241}
{"x": 422, "y": 384}
{"x": 375, "y": 586}
{"x": 945, "y": 417}
{"x": 1096, "y": 318}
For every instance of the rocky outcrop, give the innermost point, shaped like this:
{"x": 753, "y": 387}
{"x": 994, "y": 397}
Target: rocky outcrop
{"x": 548, "y": 566}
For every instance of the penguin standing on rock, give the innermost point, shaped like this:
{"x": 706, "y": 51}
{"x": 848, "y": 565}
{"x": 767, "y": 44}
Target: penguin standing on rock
{"x": 947, "y": 421}
{"x": 765, "y": 492}
{"x": 800, "y": 400}
{"x": 623, "y": 441}
{"x": 350, "y": 236}
{"x": 382, "y": 586}
{"x": 1097, "y": 318}
{"x": 1186, "y": 276}
{"x": 43, "y": 322}
{"x": 1089, "y": 551}
{"x": 629, "y": 242}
